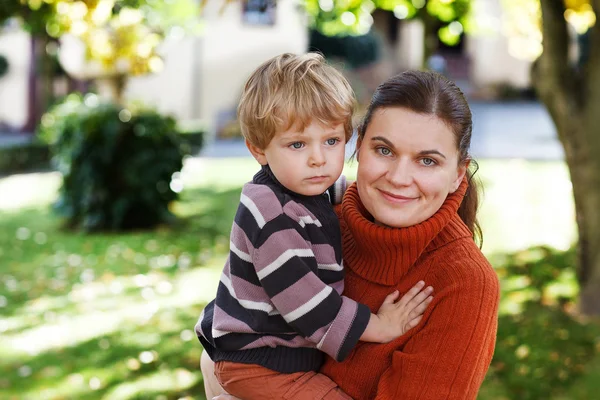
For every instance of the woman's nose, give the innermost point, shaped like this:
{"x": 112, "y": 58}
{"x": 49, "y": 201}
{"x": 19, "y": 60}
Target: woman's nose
{"x": 400, "y": 174}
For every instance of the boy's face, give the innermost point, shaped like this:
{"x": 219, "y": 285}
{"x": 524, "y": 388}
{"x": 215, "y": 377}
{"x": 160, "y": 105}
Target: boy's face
{"x": 305, "y": 162}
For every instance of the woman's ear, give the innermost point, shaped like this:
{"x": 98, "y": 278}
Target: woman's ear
{"x": 257, "y": 153}
{"x": 461, "y": 172}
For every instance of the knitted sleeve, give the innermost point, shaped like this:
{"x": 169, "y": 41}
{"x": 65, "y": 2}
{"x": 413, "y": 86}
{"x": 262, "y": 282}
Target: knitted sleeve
{"x": 287, "y": 270}
{"x": 449, "y": 357}
{"x": 336, "y": 191}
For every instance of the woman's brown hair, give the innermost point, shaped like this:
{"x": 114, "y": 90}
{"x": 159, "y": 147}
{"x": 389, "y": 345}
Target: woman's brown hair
{"x": 430, "y": 93}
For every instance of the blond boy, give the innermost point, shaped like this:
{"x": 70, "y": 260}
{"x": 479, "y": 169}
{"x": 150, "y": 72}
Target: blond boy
{"x": 279, "y": 305}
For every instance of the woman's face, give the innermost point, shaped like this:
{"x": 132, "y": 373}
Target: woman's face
{"x": 407, "y": 165}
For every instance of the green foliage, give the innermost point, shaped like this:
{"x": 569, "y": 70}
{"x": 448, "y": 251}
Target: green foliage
{"x": 353, "y": 17}
{"x": 24, "y": 157}
{"x": 117, "y": 163}
{"x": 33, "y": 15}
{"x": 541, "y": 346}
{"x": 357, "y": 51}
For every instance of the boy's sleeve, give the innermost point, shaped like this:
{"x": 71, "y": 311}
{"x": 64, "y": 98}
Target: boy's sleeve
{"x": 286, "y": 267}
{"x": 336, "y": 191}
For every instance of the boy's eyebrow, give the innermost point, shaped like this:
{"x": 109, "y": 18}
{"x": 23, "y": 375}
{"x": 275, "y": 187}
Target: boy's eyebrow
{"x": 391, "y": 145}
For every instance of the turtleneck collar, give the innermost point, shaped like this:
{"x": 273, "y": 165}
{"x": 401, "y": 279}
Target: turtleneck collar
{"x": 384, "y": 255}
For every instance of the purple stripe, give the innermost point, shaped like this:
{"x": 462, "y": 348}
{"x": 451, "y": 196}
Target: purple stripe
{"x": 295, "y": 211}
{"x": 318, "y": 335}
{"x": 245, "y": 290}
{"x": 338, "y": 286}
{"x": 324, "y": 253}
{"x": 298, "y": 294}
{"x": 266, "y": 201}
{"x": 277, "y": 244}
{"x": 225, "y": 322}
{"x": 240, "y": 239}
{"x": 338, "y": 330}
{"x": 272, "y": 341}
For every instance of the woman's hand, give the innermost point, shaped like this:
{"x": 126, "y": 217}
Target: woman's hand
{"x": 225, "y": 397}
{"x": 394, "y": 319}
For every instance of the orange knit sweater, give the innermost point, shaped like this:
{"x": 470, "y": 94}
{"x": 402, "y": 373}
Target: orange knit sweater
{"x": 447, "y": 355}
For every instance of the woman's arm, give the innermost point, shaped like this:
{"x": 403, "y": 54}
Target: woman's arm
{"x": 449, "y": 357}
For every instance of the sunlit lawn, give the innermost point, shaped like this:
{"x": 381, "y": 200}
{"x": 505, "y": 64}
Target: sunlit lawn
{"x": 111, "y": 316}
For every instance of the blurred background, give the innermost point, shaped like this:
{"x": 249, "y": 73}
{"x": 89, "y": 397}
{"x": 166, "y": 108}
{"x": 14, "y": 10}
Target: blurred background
{"x": 121, "y": 165}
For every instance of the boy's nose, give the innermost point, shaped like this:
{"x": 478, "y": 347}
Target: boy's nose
{"x": 317, "y": 158}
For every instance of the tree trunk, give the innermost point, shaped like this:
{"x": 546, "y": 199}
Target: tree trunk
{"x": 430, "y": 38}
{"x": 39, "y": 82}
{"x": 572, "y": 98}
{"x": 112, "y": 88}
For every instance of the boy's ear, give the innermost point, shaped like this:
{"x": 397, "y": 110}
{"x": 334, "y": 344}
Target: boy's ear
{"x": 257, "y": 153}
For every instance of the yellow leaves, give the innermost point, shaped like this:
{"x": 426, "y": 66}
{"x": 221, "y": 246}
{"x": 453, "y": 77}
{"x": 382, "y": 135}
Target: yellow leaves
{"x": 121, "y": 43}
{"x": 522, "y": 24}
{"x": 580, "y": 16}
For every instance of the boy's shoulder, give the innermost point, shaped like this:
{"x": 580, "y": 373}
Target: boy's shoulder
{"x": 267, "y": 202}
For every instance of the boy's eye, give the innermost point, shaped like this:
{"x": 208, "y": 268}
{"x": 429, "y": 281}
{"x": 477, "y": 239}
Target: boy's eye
{"x": 297, "y": 145}
{"x": 332, "y": 141}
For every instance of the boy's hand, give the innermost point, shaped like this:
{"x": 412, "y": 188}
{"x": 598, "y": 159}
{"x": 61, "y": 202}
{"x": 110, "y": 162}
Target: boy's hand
{"x": 396, "y": 318}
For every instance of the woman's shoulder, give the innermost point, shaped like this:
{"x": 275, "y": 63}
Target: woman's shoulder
{"x": 461, "y": 263}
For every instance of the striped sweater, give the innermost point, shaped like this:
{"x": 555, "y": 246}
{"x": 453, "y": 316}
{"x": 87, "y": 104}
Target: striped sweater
{"x": 279, "y": 301}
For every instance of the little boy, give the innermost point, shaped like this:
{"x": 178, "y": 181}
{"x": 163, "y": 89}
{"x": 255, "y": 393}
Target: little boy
{"x": 279, "y": 304}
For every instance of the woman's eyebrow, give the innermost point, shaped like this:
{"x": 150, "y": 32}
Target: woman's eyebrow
{"x": 429, "y": 152}
{"x": 391, "y": 145}
{"x": 384, "y": 140}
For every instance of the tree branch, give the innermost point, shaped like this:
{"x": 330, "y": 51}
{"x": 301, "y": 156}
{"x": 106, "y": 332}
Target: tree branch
{"x": 553, "y": 76}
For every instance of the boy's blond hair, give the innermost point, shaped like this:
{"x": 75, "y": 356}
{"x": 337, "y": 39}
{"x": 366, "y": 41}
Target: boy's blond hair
{"x": 292, "y": 91}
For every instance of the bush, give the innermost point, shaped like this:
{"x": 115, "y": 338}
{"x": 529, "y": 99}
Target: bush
{"x": 24, "y": 157}
{"x": 541, "y": 346}
{"x": 117, "y": 163}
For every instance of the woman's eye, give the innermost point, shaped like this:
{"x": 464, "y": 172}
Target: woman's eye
{"x": 332, "y": 142}
{"x": 384, "y": 151}
{"x": 428, "y": 161}
{"x": 297, "y": 145}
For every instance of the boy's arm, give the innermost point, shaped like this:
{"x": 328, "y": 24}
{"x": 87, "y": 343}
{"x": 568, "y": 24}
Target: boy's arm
{"x": 286, "y": 267}
{"x": 336, "y": 191}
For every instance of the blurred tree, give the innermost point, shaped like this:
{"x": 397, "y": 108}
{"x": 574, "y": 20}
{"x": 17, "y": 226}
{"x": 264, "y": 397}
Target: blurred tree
{"x": 570, "y": 89}
{"x": 117, "y": 38}
{"x": 443, "y": 20}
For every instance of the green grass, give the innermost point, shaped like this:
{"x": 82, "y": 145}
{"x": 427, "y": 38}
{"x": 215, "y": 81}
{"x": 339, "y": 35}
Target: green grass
{"x": 109, "y": 316}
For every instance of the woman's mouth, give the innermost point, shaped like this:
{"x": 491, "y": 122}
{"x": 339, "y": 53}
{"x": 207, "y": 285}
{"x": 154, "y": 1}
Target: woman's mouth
{"x": 396, "y": 198}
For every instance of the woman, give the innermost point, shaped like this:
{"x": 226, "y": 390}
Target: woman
{"x": 410, "y": 216}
